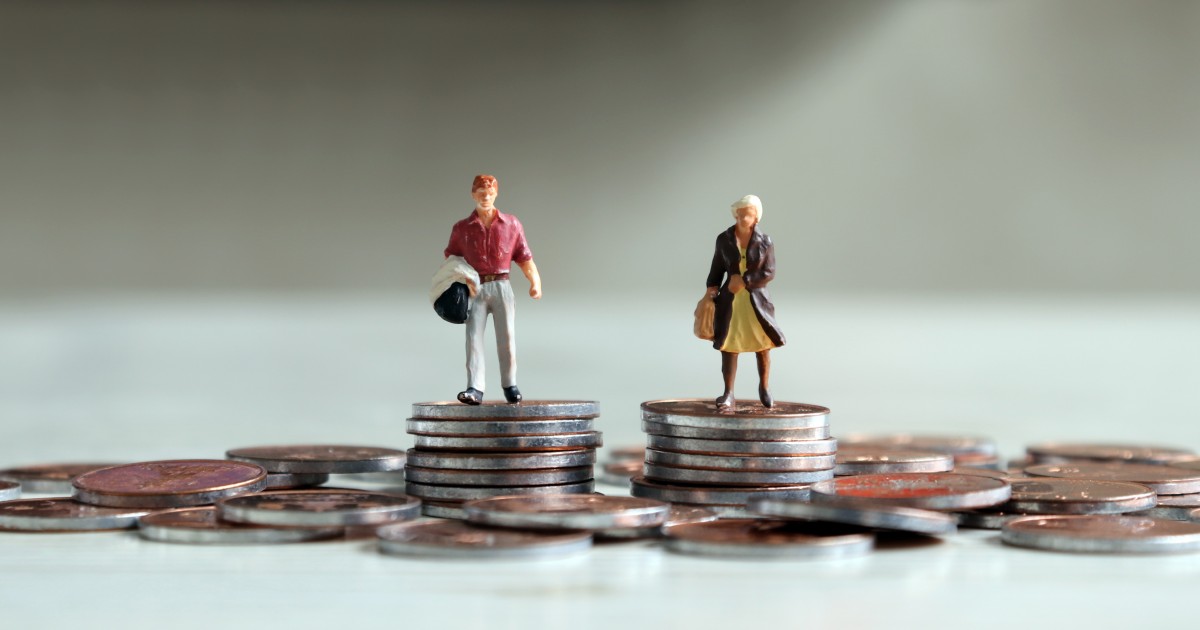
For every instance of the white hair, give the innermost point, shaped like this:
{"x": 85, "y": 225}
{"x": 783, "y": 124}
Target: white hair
{"x": 749, "y": 201}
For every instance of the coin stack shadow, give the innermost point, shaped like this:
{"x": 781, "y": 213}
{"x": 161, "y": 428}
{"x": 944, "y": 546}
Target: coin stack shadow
{"x": 467, "y": 452}
{"x": 697, "y": 455}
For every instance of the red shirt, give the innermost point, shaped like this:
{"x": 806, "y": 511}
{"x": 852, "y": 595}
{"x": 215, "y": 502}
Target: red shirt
{"x": 489, "y": 250}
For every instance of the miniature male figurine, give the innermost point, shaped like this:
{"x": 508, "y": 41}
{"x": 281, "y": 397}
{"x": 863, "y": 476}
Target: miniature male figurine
{"x": 490, "y": 241}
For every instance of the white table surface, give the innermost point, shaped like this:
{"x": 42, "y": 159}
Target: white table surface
{"x": 153, "y": 377}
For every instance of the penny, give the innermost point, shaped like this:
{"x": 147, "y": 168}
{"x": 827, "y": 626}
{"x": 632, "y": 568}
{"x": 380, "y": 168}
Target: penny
{"x": 48, "y": 478}
{"x": 1188, "y": 464}
{"x": 986, "y": 472}
{"x": 170, "y": 483}
{"x": 930, "y": 491}
{"x": 1102, "y": 534}
{"x": 202, "y": 526}
{"x": 866, "y": 460}
{"x": 61, "y": 514}
{"x": 979, "y": 460}
{"x": 491, "y": 410}
{"x": 541, "y": 477}
{"x": 320, "y": 458}
{"x": 319, "y": 508}
{"x": 1059, "y": 453}
{"x": 619, "y": 473}
{"x": 985, "y": 519}
{"x": 501, "y": 461}
{"x": 1161, "y": 479}
{"x": 288, "y": 481}
{"x": 678, "y": 514}
{"x": 9, "y": 490}
{"x": 469, "y": 493}
{"x": 827, "y": 446}
{"x": 669, "y": 474}
{"x": 954, "y": 445}
{"x": 863, "y": 514}
{"x": 704, "y": 413}
{"x": 1177, "y": 507}
{"x": 486, "y": 428}
{"x": 701, "y": 495}
{"x": 1077, "y": 496}
{"x": 789, "y": 463}
{"x": 563, "y": 442}
{"x": 457, "y": 539}
{"x": 767, "y": 540}
{"x": 623, "y": 453}
{"x": 578, "y": 511}
{"x": 735, "y": 432}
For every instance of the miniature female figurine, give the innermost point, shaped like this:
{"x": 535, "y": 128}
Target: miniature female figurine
{"x": 745, "y": 318}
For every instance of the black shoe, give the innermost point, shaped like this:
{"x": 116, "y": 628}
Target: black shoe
{"x": 471, "y": 396}
{"x": 512, "y": 394}
{"x": 725, "y": 401}
{"x": 765, "y": 397}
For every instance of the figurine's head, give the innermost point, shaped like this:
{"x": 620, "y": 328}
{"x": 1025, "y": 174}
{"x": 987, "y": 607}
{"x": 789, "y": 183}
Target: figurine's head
{"x": 747, "y": 211}
{"x": 484, "y": 190}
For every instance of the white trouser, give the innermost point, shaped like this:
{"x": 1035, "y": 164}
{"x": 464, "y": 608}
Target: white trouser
{"x": 494, "y": 297}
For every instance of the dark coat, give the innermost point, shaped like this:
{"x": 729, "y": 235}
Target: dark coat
{"x": 760, "y": 269}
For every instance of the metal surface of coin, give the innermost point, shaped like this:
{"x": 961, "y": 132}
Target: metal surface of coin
{"x": 737, "y": 448}
{"x": 619, "y": 473}
{"x": 985, "y": 519}
{"x": 930, "y": 491}
{"x": 1161, "y": 479}
{"x": 170, "y": 483}
{"x": 1059, "y": 453}
{"x": 625, "y": 453}
{"x": 491, "y": 410}
{"x": 868, "y": 460}
{"x": 564, "y": 442}
{"x": 764, "y": 463}
{"x": 9, "y": 490}
{"x": 488, "y": 428}
{"x": 979, "y": 460}
{"x": 319, "y": 508}
{"x": 987, "y": 472}
{"x": 443, "y": 510}
{"x": 578, "y": 511}
{"x": 501, "y": 461}
{"x": 672, "y": 474}
{"x": 677, "y": 515}
{"x": 859, "y": 513}
{"x": 1078, "y": 496}
{"x": 697, "y": 412}
{"x": 701, "y": 495}
{"x": 542, "y": 477}
{"x": 202, "y": 526}
{"x": 61, "y": 514}
{"x": 734, "y": 432}
{"x": 320, "y": 458}
{"x": 456, "y": 539}
{"x": 288, "y": 481}
{"x": 767, "y": 540}
{"x": 48, "y": 478}
{"x": 1177, "y": 507}
{"x": 955, "y": 445}
{"x": 1102, "y": 534}
{"x": 470, "y": 493}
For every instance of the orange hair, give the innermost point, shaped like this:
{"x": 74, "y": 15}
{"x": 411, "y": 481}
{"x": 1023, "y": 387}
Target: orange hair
{"x": 484, "y": 181}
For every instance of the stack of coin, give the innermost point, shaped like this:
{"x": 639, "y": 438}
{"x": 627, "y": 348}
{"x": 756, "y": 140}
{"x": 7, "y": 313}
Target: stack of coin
{"x": 699, "y": 455}
{"x": 468, "y": 452}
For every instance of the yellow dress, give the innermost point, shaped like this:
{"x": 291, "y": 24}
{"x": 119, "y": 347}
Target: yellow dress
{"x": 746, "y": 334}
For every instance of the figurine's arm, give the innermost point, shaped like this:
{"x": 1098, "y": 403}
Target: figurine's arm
{"x": 535, "y": 280}
{"x": 766, "y": 271}
{"x": 716, "y": 271}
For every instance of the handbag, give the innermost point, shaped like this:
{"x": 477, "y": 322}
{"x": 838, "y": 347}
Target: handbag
{"x": 706, "y": 312}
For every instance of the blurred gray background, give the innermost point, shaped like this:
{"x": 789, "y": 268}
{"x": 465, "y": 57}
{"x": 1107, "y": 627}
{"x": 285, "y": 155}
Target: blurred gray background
{"x": 1000, "y": 146}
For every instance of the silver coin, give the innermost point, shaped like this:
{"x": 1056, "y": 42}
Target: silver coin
{"x": 850, "y": 512}
{"x": 762, "y": 463}
{"x": 566, "y": 441}
{"x": 678, "y": 514}
{"x": 497, "y": 410}
{"x": 767, "y": 540}
{"x": 869, "y": 460}
{"x": 48, "y": 478}
{"x": 288, "y": 481}
{"x": 952, "y": 444}
{"x": 703, "y": 413}
{"x": 569, "y": 511}
{"x": 542, "y": 477}
{"x": 9, "y": 490}
{"x": 930, "y": 491}
{"x": 443, "y": 510}
{"x": 1077, "y": 496}
{"x": 827, "y": 446}
{"x": 457, "y": 539}
{"x": 1059, "y": 453}
{"x": 984, "y": 519}
{"x": 470, "y": 493}
{"x": 488, "y": 428}
{"x": 1102, "y": 534}
{"x": 501, "y": 461}
{"x": 712, "y": 495}
{"x": 672, "y": 474}
{"x": 320, "y": 458}
{"x": 202, "y": 526}
{"x": 1177, "y": 507}
{"x": 319, "y": 508}
{"x": 64, "y": 515}
{"x": 734, "y": 432}
{"x": 1161, "y": 479}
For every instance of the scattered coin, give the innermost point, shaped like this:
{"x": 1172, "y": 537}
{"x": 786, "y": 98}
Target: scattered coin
{"x": 320, "y": 458}
{"x": 487, "y": 428}
{"x": 931, "y": 491}
{"x": 501, "y": 461}
{"x": 437, "y": 509}
{"x": 987, "y": 472}
{"x": 985, "y": 519}
{"x": 735, "y": 432}
{"x": 955, "y": 445}
{"x": 578, "y": 511}
{"x": 447, "y": 494}
{"x": 166, "y": 484}
{"x": 202, "y": 526}
{"x": 619, "y": 473}
{"x": 540, "y": 477}
{"x": 1078, "y": 496}
{"x": 704, "y": 413}
{"x": 768, "y": 540}
{"x": 1060, "y": 453}
{"x": 1161, "y": 479}
{"x": 742, "y": 448}
{"x": 863, "y": 514}
{"x": 561, "y": 442}
{"x": 456, "y": 539}
{"x": 624, "y": 453}
{"x": 678, "y": 514}
{"x": 9, "y": 490}
{"x": 493, "y": 410}
{"x": 659, "y": 472}
{"x": 61, "y": 514}
{"x": 763, "y": 463}
{"x": 319, "y": 508}
{"x": 707, "y": 496}
{"x": 866, "y": 460}
{"x": 288, "y": 481}
{"x": 1177, "y": 507}
{"x": 48, "y": 478}
{"x": 1102, "y": 534}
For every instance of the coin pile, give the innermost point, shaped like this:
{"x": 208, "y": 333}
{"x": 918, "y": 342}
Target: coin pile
{"x": 468, "y": 452}
{"x": 966, "y": 451}
{"x": 700, "y": 456}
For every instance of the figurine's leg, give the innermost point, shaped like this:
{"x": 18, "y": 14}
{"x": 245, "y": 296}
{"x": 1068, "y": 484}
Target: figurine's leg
{"x": 506, "y": 341}
{"x": 729, "y": 372}
{"x": 476, "y": 326}
{"x": 764, "y": 376}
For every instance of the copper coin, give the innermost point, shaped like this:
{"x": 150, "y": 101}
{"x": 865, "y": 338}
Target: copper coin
{"x": 865, "y": 460}
{"x": 494, "y": 410}
{"x": 931, "y": 491}
{"x": 619, "y": 473}
{"x": 520, "y": 443}
{"x": 1077, "y": 496}
{"x": 319, "y": 508}
{"x": 541, "y": 477}
{"x": 501, "y": 461}
{"x": 763, "y": 463}
{"x": 64, "y": 515}
{"x": 1161, "y": 479}
{"x": 769, "y": 540}
{"x": 577, "y": 511}
{"x": 1058, "y": 453}
{"x": 172, "y": 483}
{"x": 291, "y": 481}
{"x": 985, "y": 519}
{"x": 48, "y": 478}
{"x": 734, "y": 431}
{"x": 712, "y": 495}
{"x": 861, "y": 513}
{"x": 1102, "y": 534}
{"x": 696, "y": 412}
{"x": 986, "y": 472}
{"x": 954, "y": 445}
{"x": 456, "y": 539}
{"x": 203, "y": 526}
{"x": 488, "y": 428}
{"x": 9, "y": 490}
{"x": 1177, "y": 507}
{"x": 320, "y": 458}
{"x": 743, "y": 448}
{"x": 678, "y": 514}
{"x": 623, "y": 453}
{"x": 450, "y": 494}
{"x": 676, "y": 474}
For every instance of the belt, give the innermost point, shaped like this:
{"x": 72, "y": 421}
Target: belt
{"x": 492, "y": 277}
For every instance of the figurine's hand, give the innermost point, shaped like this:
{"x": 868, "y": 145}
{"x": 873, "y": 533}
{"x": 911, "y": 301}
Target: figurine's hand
{"x": 711, "y": 292}
{"x": 535, "y": 291}
{"x": 736, "y": 284}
